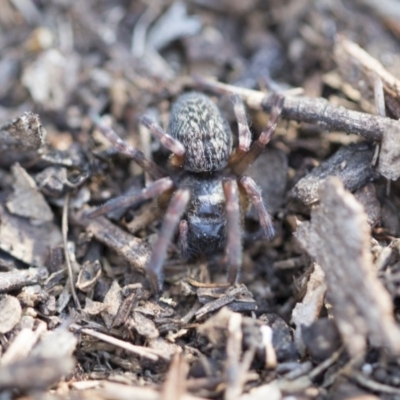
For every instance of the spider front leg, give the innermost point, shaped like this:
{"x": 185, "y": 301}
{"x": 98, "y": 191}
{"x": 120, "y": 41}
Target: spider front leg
{"x": 243, "y": 126}
{"x": 254, "y": 193}
{"x": 170, "y": 143}
{"x": 234, "y": 243}
{"x": 173, "y": 214}
{"x": 153, "y": 170}
{"x": 155, "y": 189}
{"x": 240, "y": 159}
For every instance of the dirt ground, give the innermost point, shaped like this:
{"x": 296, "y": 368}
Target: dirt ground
{"x": 314, "y": 314}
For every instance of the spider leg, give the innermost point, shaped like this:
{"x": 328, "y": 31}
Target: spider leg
{"x": 153, "y": 170}
{"x": 254, "y": 193}
{"x": 170, "y": 143}
{"x": 243, "y": 126}
{"x": 241, "y": 160}
{"x": 183, "y": 238}
{"x": 153, "y": 190}
{"x": 176, "y": 208}
{"x": 234, "y": 242}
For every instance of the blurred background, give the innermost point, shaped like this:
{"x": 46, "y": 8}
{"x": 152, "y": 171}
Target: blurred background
{"x": 62, "y": 57}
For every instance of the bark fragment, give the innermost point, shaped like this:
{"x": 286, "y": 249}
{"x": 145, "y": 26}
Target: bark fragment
{"x": 338, "y": 237}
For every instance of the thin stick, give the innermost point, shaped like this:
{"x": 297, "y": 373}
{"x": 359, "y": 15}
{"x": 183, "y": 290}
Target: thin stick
{"x": 305, "y": 109}
{"x": 150, "y": 354}
{"x": 66, "y": 252}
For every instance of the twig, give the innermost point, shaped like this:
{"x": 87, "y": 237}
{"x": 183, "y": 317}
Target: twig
{"x": 134, "y": 250}
{"x": 17, "y": 279}
{"x": 66, "y": 252}
{"x": 326, "y": 364}
{"x": 141, "y": 351}
{"x": 304, "y": 109}
{"x": 372, "y": 385}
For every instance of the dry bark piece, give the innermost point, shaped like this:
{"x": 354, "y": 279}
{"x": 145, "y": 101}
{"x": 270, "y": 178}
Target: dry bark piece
{"x": 21, "y": 139}
{"x": 239, "y": 298}
{"x": 144, "y": 326}
{"x": 367, "y": 197}
{"x": 10, "y": 313}
{"x": 307, "y": 311}
{"x": 167, "y": 349}
{"x": 351, "y": 164}
{"x": 389, "y": 156}
{"x": 94, "y": 307}
{"x": 112, "y": 301}
{"x": 338, "y": 237}
{"x": 26, "y": 200}
{"x": 360, "y": 69}
{"x": 17, "y": 279}
{"x": 132, "y": 294}
{"x": 26, "y": 242}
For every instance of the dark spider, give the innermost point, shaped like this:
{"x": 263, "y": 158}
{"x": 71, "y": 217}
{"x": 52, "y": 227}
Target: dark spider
{"x": 200, "y": 188}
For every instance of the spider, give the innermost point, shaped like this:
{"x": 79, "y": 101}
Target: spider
{"x": 204, "y": 190}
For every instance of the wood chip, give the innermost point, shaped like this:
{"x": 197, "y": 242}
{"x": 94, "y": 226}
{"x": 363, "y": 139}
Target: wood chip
{"x": 368, "y": 198}
{"x": 351, "y": 164}
{"x": 112, "y": 301}
{"x": 26, "y": 200}
{"x": 389, "y": 156}
{"x": 21, "y": 139}
{"x": 144, "y": 326}
{"x": 10, "y": 313}
{"x": 17, "y": 279}
{"x": 307, "y": 311}
{"x": 26, "y": 242}
{"x": 338, "y": 238}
